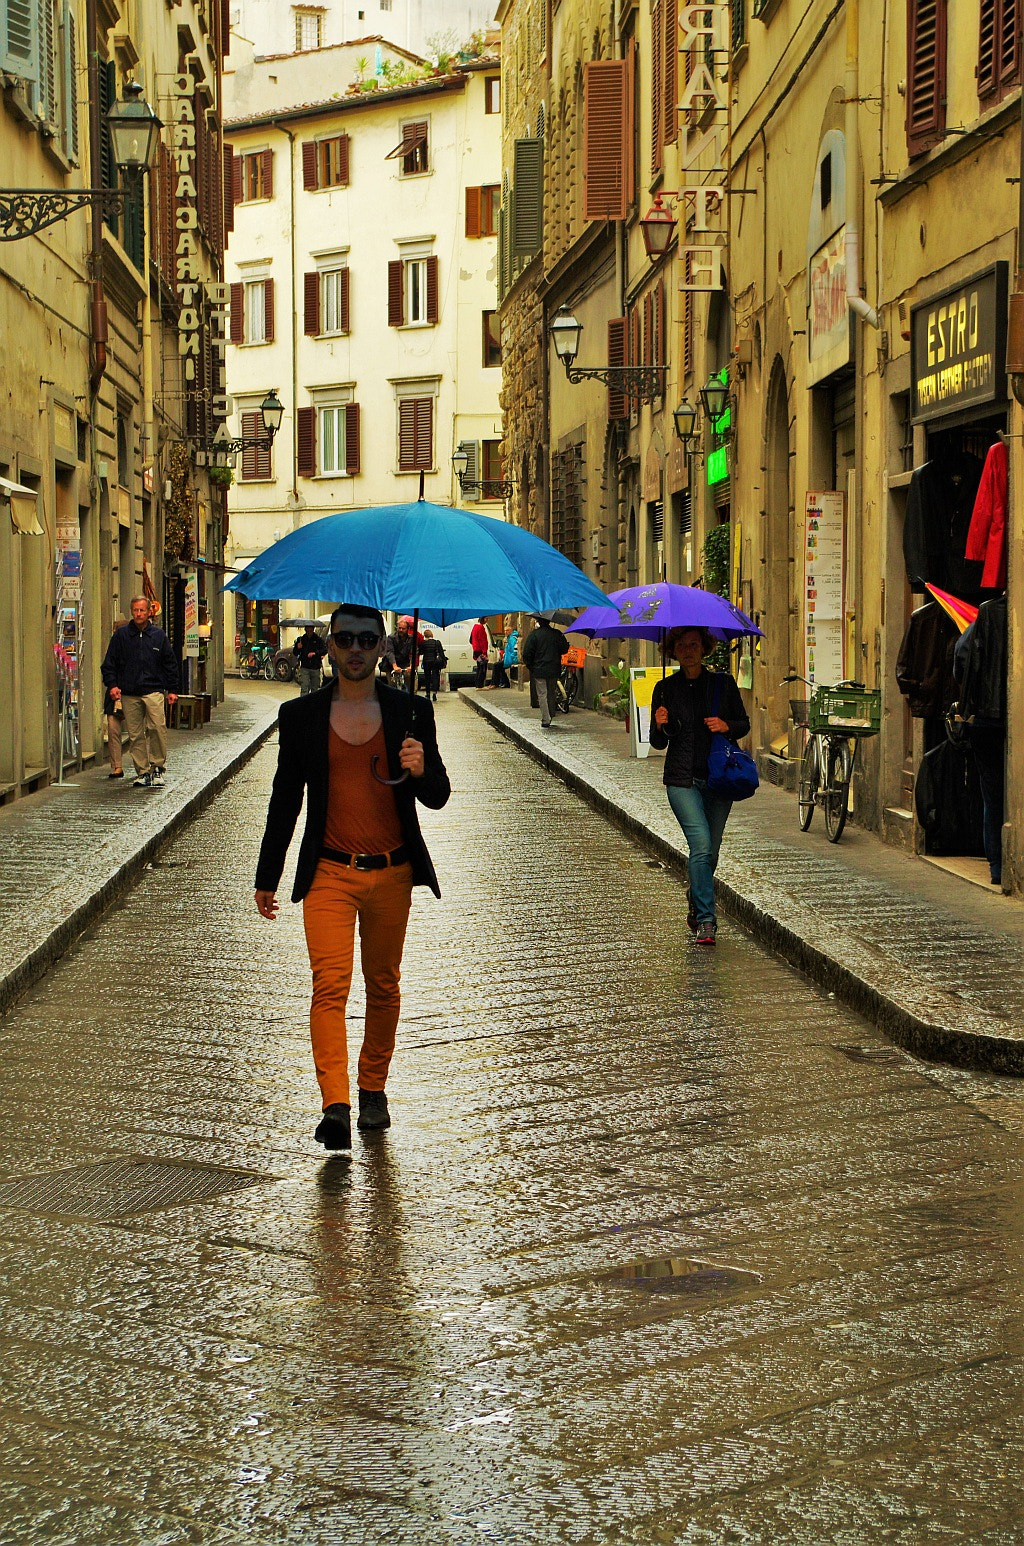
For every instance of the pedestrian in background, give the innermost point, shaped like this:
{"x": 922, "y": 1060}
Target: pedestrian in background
{"x": 138, "y": 669}
{"x": 434, "y": 660}
{"x": 115, "y": 722}
{"x": 683, "y": 720}
{"x": 361, "y": 854}
{"x": 542, "y": 655}
{"x": 511, "y": 656}
{"x": 479, "y": 643}
{"x": 399, "y": 652}
{"x": 499, "y": 676}
{"x": 309, "y": 651}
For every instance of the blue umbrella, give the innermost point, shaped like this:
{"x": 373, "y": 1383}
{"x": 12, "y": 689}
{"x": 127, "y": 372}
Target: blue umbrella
{"x": 444, "y": 564}
{"x": 649, "y": 611}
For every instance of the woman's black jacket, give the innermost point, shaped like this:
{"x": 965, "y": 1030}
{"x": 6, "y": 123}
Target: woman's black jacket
{"x": 302, "y": 763}
{"x": 689, "y": 703}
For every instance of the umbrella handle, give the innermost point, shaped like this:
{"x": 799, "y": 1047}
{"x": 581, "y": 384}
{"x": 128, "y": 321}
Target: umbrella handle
{"x": 373, "y": 769}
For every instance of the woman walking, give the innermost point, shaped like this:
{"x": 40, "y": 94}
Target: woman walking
{"x": 687, "y": 708}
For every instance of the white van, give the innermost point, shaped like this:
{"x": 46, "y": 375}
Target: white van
{"x": 455, "y": 643}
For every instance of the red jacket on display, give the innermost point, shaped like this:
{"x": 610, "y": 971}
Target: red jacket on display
{"x": 986, "y": 539}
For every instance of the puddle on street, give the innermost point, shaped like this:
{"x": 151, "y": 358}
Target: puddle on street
{"x": 683, "y": 1275}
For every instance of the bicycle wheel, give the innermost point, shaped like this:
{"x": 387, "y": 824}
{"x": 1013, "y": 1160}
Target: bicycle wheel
{"x": 572, "y": 686}
{"x": 561, "y": 698}
{"x": 268, "y": 668}
{"x": 810, "y": 777}
{"x": 836, "y": 800}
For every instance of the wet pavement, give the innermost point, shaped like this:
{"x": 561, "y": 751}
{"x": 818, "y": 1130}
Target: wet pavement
{"x": 665, "y": 1245}
{"x": 934, "y": 961}
{"x": 68, "y": 851}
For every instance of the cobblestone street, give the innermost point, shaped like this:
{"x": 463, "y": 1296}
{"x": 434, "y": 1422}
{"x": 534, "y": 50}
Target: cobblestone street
{"x": 664, "y": 1246}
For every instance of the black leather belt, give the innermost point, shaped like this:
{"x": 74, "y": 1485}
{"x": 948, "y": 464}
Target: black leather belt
{"x": 366, "y": 861}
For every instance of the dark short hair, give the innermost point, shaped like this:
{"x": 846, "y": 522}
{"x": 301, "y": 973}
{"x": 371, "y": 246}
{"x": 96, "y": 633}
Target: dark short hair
{"x": 368, "y": 612}
{"x": 708, "y": 641}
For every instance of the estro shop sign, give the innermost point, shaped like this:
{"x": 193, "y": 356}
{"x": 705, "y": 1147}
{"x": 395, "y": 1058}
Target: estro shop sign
{"x": 958, "y": 346}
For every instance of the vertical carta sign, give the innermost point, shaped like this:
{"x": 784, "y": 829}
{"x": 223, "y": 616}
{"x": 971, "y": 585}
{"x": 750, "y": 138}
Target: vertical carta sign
{"x": 193, "y": 294}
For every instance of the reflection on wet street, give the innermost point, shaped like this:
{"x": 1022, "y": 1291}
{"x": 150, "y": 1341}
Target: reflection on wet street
{"x": 663, "y": 1246}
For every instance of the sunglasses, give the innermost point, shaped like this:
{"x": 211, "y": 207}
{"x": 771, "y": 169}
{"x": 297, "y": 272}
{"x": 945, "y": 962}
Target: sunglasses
{"x": 345, "y": 640}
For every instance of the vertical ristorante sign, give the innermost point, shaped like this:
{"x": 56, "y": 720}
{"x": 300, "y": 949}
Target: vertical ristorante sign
{"x": 202, "y": 302}
{"x": 704, "y": 39}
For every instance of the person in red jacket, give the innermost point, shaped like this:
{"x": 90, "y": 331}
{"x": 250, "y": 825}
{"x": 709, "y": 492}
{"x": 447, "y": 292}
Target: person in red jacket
{"x": 479, "y": 643}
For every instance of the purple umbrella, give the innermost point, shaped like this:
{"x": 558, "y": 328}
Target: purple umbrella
{"x": 649, "y": 611}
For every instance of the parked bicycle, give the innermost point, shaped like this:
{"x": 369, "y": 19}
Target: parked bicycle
{"x": 835, "y": 720}
{"x": 256, "y": 660}
{"x": 567, "y": 686}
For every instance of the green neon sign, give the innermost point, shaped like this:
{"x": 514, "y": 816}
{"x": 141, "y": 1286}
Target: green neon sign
{"x": 718, "y": 466}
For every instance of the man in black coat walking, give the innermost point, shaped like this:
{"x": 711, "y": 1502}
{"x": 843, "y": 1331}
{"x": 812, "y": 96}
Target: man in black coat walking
{"x": 542, "y": 653}
{"x": 364, "y": 753}
{"x": 138, "y": 669}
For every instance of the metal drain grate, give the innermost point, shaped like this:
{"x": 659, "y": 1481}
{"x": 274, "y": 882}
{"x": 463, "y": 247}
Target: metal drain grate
{"x": 680, "y": 1275}
{"x": 116, "y": 1189}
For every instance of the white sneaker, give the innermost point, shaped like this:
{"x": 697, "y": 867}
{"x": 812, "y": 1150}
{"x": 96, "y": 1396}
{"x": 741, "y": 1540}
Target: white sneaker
{"x": 157, "y": 776}
{"x": 144, "y": 781}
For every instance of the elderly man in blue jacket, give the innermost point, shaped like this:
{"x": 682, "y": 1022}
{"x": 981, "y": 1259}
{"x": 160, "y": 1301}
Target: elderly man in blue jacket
{"x": 139, "y": 668}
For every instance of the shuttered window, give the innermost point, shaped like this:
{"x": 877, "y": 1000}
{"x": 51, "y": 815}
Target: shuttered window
{"x": 482, "y": 210}
{"x": 657, "y": 81}
{"x": 492, "y": 339}
{"x": 528, "y": 197}
{"x": 413, "y": 149}
{"x": 305, "y": 442}
{"x": 256, "y": 460}
{"x": 606, "y": 140}
{"x": 325, "y": 302}
{"x": 69, "y": 63}
{"x": 19, "y": 40}
{"x": 999, "y": 47}
{"x": 415, "y": 434}
{"x": 256, "y": 179}
{"x": 325, "y": 163}
{"x": 670, "y": 73}
{"x": 252, "y": 312}
{"x": 617, "y": 408}
{"x": 926, "y": 83}
{"x": 492, "y": 469}
{"x": 413, "y": 292}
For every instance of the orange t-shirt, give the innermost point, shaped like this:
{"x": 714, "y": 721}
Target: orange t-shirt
{"x": 362, "y": 817}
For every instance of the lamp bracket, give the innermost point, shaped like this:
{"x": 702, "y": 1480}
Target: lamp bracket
{"x": 643, "y": 381}
{"x": 24, "y": 211}
{"x": 491, "y": 488}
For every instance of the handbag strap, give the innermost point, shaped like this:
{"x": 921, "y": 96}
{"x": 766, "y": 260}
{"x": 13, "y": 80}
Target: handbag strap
{"x": 716, "y": 694}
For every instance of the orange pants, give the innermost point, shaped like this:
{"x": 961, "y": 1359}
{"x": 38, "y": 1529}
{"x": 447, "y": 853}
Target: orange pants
{"x": 380, "y": 900}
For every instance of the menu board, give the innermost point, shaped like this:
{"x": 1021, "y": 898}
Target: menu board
{"x": 824, "y": 558}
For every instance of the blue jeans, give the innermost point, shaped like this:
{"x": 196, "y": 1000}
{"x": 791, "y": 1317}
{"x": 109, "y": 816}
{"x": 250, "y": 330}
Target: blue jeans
{"x": 702, "y": 817}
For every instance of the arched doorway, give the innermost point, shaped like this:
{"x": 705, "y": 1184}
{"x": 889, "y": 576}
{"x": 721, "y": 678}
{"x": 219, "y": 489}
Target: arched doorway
{"x": 779, "y": 553}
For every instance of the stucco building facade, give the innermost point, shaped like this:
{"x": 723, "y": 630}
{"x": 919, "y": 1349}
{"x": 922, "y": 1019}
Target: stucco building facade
{"x": 362, "y": 274}
{"x": 109, "y": 367}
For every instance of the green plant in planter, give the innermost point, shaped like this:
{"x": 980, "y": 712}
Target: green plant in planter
{"x": 222, "y": 477}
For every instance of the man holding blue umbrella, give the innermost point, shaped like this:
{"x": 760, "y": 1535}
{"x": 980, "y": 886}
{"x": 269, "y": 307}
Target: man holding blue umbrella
{"x": 363, "y": 753}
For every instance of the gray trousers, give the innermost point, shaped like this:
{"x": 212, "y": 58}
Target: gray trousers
{"x": 546, "y": 697}
{"x": 309, "y": 681}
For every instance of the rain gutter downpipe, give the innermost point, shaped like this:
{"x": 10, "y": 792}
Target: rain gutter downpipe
{"x": 855, "y": 300}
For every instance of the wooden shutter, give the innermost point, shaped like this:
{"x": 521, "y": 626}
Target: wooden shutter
{"x": 238, "y": 315}
{"x": 305, "y": 436}
{"x": 352, "y": 438}
{"x": 268, "y": 304}
{"x": 432, "y": 290}
{"x": 604, "y": 139}
{"x": 670, "y": 114}
{"x": 926, "y": 85}
{"x": 344, "y": 307}
{"x": 687, "y": 360}
{"x": 648, "y": 355}
{"x": 999, "y": 46}
{"x": 343, "y": 159}
{"x": 616, "y": 360}
{"x": 19, "y": 40}
{"x": 70, "y": 57}
{"x": 657, "y": 82}
{"x": 47, "y": 84}
{"x": 396, "y": 294}
{"x": 268, "y": 174}
{"x": 255, "y": 459}
{"x": 472, "y": 450}
{"x": 309, "y": 165}
{"x": 528, "y": 205}
{"x": 473, "y": 211}
{"x": 415, "y": 433}
{"x": 660, "y": 328}
{"x": 311, "y": 304}
{"x": 633, "y": 343}
{"x": 237, "y": 190}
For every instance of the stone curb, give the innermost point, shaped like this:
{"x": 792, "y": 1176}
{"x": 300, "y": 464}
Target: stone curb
{"x": 940, "y": 1033}
{"x": 36, "y": 962}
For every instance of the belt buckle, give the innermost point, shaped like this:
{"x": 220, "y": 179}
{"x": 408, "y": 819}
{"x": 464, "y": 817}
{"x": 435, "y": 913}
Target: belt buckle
{"x": 359, "y": 861}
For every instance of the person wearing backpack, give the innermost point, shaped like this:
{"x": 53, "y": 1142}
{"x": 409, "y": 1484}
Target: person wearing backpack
{"x": 433, "y": 660}
{"x": 687, "y": 709}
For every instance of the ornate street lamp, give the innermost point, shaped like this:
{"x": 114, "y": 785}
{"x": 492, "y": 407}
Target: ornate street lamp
{"x": 223, "y": 449}
{"x": 491, "y": 488}
{"x": 685, "y": 420}
{"x": 134, "y": 134}
{"x": 657, "y": 228}
{"x": 714, "y": 396}
{"x": 640, "y": 381}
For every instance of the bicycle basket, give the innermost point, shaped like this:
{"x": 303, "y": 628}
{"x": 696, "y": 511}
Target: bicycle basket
{"x": 845, "y": 710}
{"x": 798, "y": 710}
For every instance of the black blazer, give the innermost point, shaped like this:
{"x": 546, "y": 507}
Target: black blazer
{"x": 302, "y": 763}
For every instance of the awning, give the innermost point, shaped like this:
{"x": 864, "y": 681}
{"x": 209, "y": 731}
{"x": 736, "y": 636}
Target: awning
{"x": 414, "y": 138}
{"x": 24, "y": 505}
